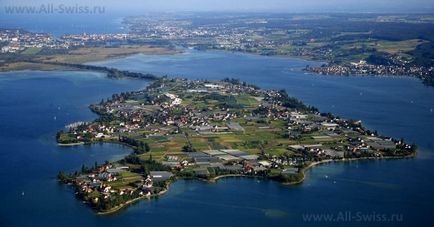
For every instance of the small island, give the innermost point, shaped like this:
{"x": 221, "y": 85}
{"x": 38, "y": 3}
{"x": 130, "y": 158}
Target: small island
{"x": 196, "y": 129}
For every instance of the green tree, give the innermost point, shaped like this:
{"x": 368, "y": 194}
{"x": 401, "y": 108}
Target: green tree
{"x": 147, "y": 147}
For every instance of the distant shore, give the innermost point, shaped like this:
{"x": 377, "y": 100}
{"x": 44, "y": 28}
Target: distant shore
{"x": 83, "y": 55}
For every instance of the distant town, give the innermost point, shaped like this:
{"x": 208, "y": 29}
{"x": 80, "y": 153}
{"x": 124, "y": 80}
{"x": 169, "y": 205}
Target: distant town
{"x": 352, "y": 44}
{"x": 363, "y": 68}
{"x": 20, "y": 41}
{"x": 193, "y": 129}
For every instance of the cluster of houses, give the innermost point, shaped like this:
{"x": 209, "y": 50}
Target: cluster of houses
{"x": 220, "y": 36}
{"x": 328, "y": 137}
{"x": 137, "y": 115}
{"x": 99, "y": 180}
{"x": 95, "y": 131}
{"x": 363, "y": 68}
{"x": 15, "y": 40}
{"x": 226, "y": 160}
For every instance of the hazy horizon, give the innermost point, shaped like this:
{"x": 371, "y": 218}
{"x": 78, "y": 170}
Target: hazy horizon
{"x": 289, "y": 6}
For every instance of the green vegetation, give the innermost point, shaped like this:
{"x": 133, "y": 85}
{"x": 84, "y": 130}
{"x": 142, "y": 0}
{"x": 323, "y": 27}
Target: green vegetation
{"x": 31, "y": 51}
{"x": 209, "y": 129}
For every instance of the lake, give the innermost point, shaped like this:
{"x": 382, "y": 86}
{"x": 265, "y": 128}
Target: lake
{"x": 35, "y": 105}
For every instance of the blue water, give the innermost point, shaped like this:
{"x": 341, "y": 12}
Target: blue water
{"x": 396, "y": 106}
{"x": 60, "y": 24}
{"x": 34, "y": 105}
{"x": 399, "y": 107}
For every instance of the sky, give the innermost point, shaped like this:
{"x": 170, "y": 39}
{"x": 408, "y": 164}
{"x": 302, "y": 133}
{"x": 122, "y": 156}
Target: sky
{"x": 246, "y": 5}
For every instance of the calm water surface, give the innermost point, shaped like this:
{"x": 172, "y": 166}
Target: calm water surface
{"x": 34, "y": 105}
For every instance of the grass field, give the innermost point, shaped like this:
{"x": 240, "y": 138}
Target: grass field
{"x": 89, "y": 54}
{"x": 391, "y": 47}
{"x": 125, "y": 178}
{"x": 78, "y": 56}
{"x": 398, "y": 46}
{"x": 15, "y": 66}
{"x": 31, "y": 51}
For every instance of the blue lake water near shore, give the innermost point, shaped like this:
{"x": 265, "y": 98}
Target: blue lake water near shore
{"x": 35, "y": 105}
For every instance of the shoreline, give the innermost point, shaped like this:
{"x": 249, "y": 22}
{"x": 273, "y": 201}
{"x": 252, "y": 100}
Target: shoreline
{"x": 45, "y": 62}
{"x": 129, "y": 202}
{"x": 120, "y": 206}
{"x": 290, "y": 57}
{"x": 285, "y": 181}
{"x": 313, "y": 164}
{"x": 215, "y": 179}
{"x": 70, "y": 144}
{"x": 319, "y": 62}
{"x": 47, "y": 67}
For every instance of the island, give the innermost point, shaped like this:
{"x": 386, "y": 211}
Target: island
{"x": 206, "y": 130}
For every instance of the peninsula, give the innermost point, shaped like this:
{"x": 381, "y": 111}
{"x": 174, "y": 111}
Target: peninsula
{"x": 194, "y": 129}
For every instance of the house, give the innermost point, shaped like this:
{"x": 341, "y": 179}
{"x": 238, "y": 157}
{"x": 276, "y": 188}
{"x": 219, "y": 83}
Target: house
{"x": 213, "y": 152}
{"x": 381, "y": 144}
{"x": 204, "y": 128}
{"x": 329, "y": 126}
{"x": 99, "y": 135}
{"x": 197, "y": 91}
{"x": 148, "y": 183}
{"x": 228, "y": 157}
{"x": 321, "y": 137}
{"x": 296, "y": 147}
{"x": 249, "y": 157}
{"x": 334, "y": 154}
{"x": 235, "y": 168}
{"x": 234, "y": 152}
{"x": 235, "y": 126}
{"x": 202, "y": 172}
{"x": 265, "y": 163}
{"x": 201, "y": 158}
{"x": 160, "y": 175}
{"x": 257, "y": 169}
{"x": 213, "y": 86}
{"x": 297, "y": 116}
{"x": 171, "y": 164}
{"x": 176, "y": 102}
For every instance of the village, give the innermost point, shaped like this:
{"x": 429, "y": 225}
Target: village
{"x": 185, "y": 129}
{"x": 15, "y": 40}
{"x": 364, "y": 68}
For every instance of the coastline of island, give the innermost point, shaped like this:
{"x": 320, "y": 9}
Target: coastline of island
{"x": 215, "y": 180}
{"x": 130, "y": 202}
{"x": 209, "y": 130}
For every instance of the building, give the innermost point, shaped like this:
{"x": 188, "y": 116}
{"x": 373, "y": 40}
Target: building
{"x": 160, "y": 175}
